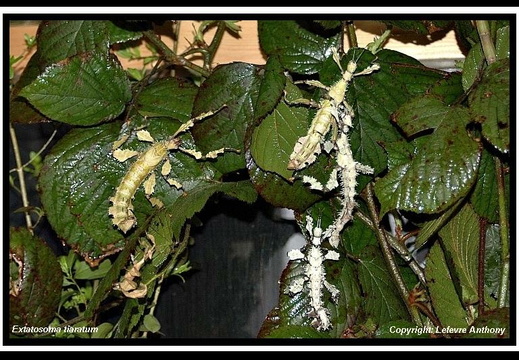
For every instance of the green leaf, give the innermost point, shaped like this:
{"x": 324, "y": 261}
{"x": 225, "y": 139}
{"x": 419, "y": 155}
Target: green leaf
{"x": 490, "y": 104}
{"x": 466, "y": 33}
{"x": 292, "y": 310}
{"x": 425, "y": 112}
{"x": 443, "y": 169}
{"x": 432, "y": 226}
{"x": 83, "y": 271}
{"x": 35, "y": 294}
{"x": 399, "y": 153}
{"x": 492, "y": 265}
{"x": 492, "y": 324}
{"x": 103, "y": 331}
{"x": 299, "y": 49}
{"x": 236, "y": 86}
{"x": 374, "y": 101}
{"x": 13, "y": 60}
{"x": 381, "y": 299}
{"x": 120, "y": 31}
{"x": 342, "y": 274}
{"x": 58, "y": 40}
{"x": 445, "y": 300}
{"x": 279, "y": 192}
{"x": 85, "y": 90}
{"x": 460, "y": 238}
{"x": 472, "y": 66}
{"x": 296, "y": 332}
{"x": 77, "y": 179}
{"x": 484, "y": 197}
{"x": 420, "y": 114}
{"x": 151, "y": 323}
{"x": 20, "y": 110}
{"x": 172, "y": 97}
{"x": 328, "y": 24}
{"x": 449, "y": 89}
{"x": 167, "y": 248}
{"x": 503, "y": 42}
{"x": 357, "y": 236}
{"x": 274, "y": 139}
{"x": 271, "y": 88}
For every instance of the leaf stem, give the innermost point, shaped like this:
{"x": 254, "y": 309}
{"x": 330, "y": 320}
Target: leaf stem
{"x": 175, "y": 29}
{"x": 39, "y": 152}
{"x": 481, "y": 266}
{"x": 215, "y": 43}
{"x": 388, "y": 254}
{"x": 486, "y": 41}
{"x": 503, "y": 234}
{"x": 352, "y": 36}
{"x": 171, "y": 57}
{"x": 21, "y": 177}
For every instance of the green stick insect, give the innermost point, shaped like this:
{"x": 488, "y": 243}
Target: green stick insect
{"x": 333, "y": 112}
{"x": 143, "y": 168}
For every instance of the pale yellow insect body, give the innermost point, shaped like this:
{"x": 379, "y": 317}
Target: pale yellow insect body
{"x": 122, "y": 208}
{"x": 309, "y": 146}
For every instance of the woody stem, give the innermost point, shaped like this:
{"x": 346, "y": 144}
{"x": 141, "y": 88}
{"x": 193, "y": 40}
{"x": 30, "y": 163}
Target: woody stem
{"x": 388, "y": 254}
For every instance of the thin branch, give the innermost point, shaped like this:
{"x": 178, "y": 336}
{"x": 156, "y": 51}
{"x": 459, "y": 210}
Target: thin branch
{"x": 352, "y": 36}
{"x": 503, "y": 234}
{"x": 215, "y": 43}
{"x": 38, "y": 153}
{"x": 21, "y": 177}
{"x": 481, "y": 266}
{"x": 399, "y": 247}
{"x": 486, "y": 41}
{"x": 388, "y": 254}
{"x": 175, "y": 29}
{"x": 171, "y": 57}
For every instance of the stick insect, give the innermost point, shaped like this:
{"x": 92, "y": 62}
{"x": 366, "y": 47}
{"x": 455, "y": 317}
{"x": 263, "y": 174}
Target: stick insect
{"x": 335, "y": 113}
{"x": 143, "y": 168}
{"x": 314, "y": 256}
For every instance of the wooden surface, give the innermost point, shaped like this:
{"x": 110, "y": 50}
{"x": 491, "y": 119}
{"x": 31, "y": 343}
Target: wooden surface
{"x": 246, "y": 47}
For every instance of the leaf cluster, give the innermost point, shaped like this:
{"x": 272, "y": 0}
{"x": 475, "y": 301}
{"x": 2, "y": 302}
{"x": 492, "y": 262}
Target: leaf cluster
{"x": 438, "y": 142}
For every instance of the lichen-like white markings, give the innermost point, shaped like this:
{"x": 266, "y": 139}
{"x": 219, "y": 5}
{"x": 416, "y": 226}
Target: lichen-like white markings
{"x": 334, "y": 112}
{"x": 143, "y": 168}
{"x": 314, "y": 256}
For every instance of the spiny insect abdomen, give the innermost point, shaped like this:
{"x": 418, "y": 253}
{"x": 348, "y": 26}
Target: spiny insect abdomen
{"x": 122, "y": 209}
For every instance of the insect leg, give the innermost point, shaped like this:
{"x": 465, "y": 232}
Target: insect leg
{"x": 191, "y": 122}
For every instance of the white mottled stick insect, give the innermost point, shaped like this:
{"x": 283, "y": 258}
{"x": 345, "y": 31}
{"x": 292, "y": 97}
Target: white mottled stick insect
{"x": 314, "y": 256}
{"x": 122, "y": 209}
{"x": 334, "y": 112}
